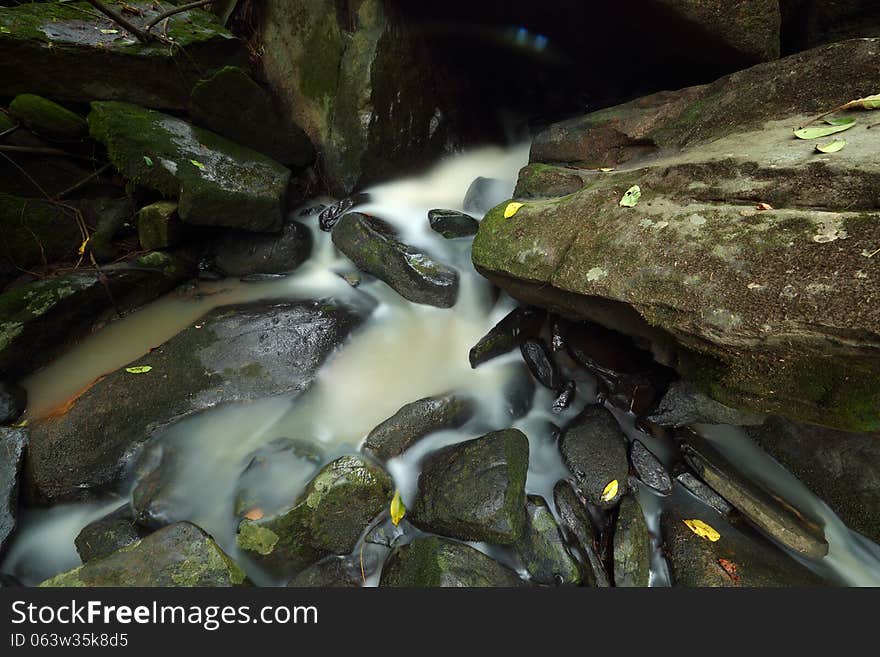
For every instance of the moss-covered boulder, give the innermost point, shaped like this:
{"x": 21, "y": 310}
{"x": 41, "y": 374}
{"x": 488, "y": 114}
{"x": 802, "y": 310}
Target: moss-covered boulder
{"x": 216, "y": 182}
{"x": 764, "y": 309}
{"x": 632, "y": 545}
{"x": 542, "y": 549}
{"x": 178, "y": 555}
{"x": 475, "y": 490}
{"x": 328, "y": 518}
{"x": 434, "y": 562}
{"x": 75, "y": 53}
{"x": 372, "y": 246}
{"x": 232, "y": 104}
{"x": 48, "y": 118}
{"x": 227, "y": 359}
{"x": 40, "y": 319}
{"x": 12, "y": 445}
{"x": 329, "y": 572}
{"x": 158, "y": 225}
{"x": 579, "y": 529}
{"x": 108, "y": 534}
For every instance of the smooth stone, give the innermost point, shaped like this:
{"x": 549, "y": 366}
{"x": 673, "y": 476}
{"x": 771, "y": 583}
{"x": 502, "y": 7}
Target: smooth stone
{"x": 684, "y": 405}
{"x": 704, "y": 493}
{"x": 632, "y": 545}
{"x": 649, "y": 468}
{"x": 47, "y": 118}
{"x": 451, "y": 223}
{"x": 241, "y": 253}
{"x": 106, "y": 535}
{"x": 518, "y": 325}
{"x": 537, "y": 356}
{"x": 330, "y": 215}
{"x": 581, "y": 530}
{"x": 13, "y": 401}
{"x": 543, "y": 549}
{"x": 12, "y": 447}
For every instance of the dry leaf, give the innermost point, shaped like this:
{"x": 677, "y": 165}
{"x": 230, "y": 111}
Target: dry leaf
{"x": 764, "y": 206}
{"x": 254, "y": 514}
{"x": 610, "y": 491}
{"x": 702, "y": 529}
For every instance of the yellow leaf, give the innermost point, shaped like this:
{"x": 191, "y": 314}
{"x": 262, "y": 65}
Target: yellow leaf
{"x": 139, "y": 369}
{"x": 398, "y": 510}
{"x": 82, "y": 247}
{"x": 610, "y": 491}
{"x": 702, "y": 530}
{"x": 606, "y": 169}
{"x": 512, "y": 209}
{"x": 21, "y": 424}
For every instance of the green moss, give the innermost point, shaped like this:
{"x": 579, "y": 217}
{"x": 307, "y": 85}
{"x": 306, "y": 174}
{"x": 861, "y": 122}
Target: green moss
{"x": 48, "y": 118}
{"x": 253, "y": 538}
{"x": 322, "y": 50}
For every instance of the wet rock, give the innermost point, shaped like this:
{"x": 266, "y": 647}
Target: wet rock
{"x": 475, "y": 490}
{"x": 649, "y": 468}
{"x": 216, "y": 182}
{"x": 843, "y": 469}
{"x": 432, "y": 562}
{"x": 582, "y": 533}
{"x": 518, "y": 391}
{"x": 13, "y": 400}
{"x": 178, "y": 555}
{"x": 766, "y": 510}
{"x": 330, "y": 215}
{"x": 329, "y": 572}
{"x": 451, "y": 223}
{"x": 671, "y": 269}
{"x": 518, "y": 325}
{"x": 543, "y": 550}
{"x": 411, "y": 273}
{"x": 328, "y": 518}
{"x": 703, "y": 493}
{"x": 158, "y": 225}
{"x": 12, "y": 446}
{"x": 231, "y": 104}
{"x": 47, "y": 118}
{"x": 9, "y": 582}
{"x": 594, "y": 450}
{"x": 540, "y": 363}
{"x": 110, "y": 217}
{"x": 683, "y": 405}
{"x": 739, "y": 558}
{"x": 240, "y": 253}
{"x": 415, "y": 421}
{"x": 240, "y": 353}
{"x": 565, "y": 397}
{"x": 106, "y": 535}
{"x": 603, "y": 351}
{"x": 40, "y": 174}
{"x": 155, "y": 502}
{"x": 485, "y": 193}
{"x": 632, "y": 545}
{"x": 546, "y": 181}
{"x": 70, "y": 58}
{"x": 40, "y": 319}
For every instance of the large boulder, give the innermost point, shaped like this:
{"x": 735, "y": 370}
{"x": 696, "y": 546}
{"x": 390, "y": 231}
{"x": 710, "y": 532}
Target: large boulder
{"x": 75, "y": 53}
{"x": 216, "y": 182}
{"x": 239, "y": 353}
{"x": 765, "y": 307}
{"x": 12, "y": 446}
{"x": 178, "y": 555}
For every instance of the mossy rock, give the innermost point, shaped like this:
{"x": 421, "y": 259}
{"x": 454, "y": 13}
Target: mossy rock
{"x": 543, "y": 549}
{"x": 13, "y": 442}
{"x": 158, "y": 225}
{"x": 632, "y": 545}
{"x": 178, "y": 555}
{"x": 48, "y": 118}
{"x": 216, "y": 182}
{"x": 328, "y": 518}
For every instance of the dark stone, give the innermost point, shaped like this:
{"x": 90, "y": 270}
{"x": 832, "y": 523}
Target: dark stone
{"x": 47, "y": 118}
{"x": 415, "y": 421}
{"x": 411, "y": 273}
{"x": 518, "y": 325}
{"x": 484, "y": 194}
{"x": 9, "y": 582}
{"x": 239, "y": 353}
{"x": 155, "y": 502}
{"x": 13, "y": 401}
{"x": 104, "y": 536}
{"x": 433, "y": 562}
{"x": 12, "y": 446}
{"x": 451, "y": 223}
{"x": 632, "y": 545}
{"x": 683, "y": 405}
{"x": 329, "y": 572}
{"x": 581, "y": 531}
{"x": 178, "y": 555}
{"x": 475, "y": 490}
{"x": 594, "y": 448}
{"x": 109, "y": 216}
{"x": 603, "y": 351}
{"x": 705, "y": 494}
{"x": 330, "y": 215}
{"x": 240, "y": 253}
{"x": 518, "y": 391}
{"x": 543, "y": 550}
{"x": 649, "y": 468}
{"x": 537, "y": 356}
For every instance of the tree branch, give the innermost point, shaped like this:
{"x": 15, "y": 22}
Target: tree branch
{"x": 176, "y": 10}
{"x": 141, "y": 35}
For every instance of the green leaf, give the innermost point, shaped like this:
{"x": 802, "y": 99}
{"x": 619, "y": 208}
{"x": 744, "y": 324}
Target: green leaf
{"x": 5, "y": 30}
{"x": 631, "y": 198}
{"x": 109, "y": 31}
{"x": 840, "y": 120}
{"x": 868, "y": 102}
{"x": 831, "y": 146}
{"x": 197, "y": 164}
{"x": 148, "y": 161}
{"x": 139, "y": 369}
{"x": 820, "y": 131}
{"x": 398, "y": 510}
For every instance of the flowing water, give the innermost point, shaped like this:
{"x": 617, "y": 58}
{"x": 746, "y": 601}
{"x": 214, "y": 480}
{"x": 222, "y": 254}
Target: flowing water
{"x": 402, "y": 352}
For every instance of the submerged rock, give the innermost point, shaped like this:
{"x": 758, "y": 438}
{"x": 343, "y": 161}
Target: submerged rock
{"x": 593, "y": 447}
{"x": 543, "y": 550}
{"x": 412, "y": 274}
{"x": 518, "y": 325}
{"x": 415, "y": 421}
{"x": 683, "y": 405}
{"x": 13, "y": 400}
{"x": 475, "y": 490}
{"x": 843, "y": 469}
{"x": 632, "y": 545}
{"x": 12, "y": 447}
{"x": 432, "y": 562}
{"x": 451, "y": 223}
{"x": 649, "y": 468}
{"x": 239, "y": 353}
{"x": 537, "y": 356}
{"x": 216, "y": 182}
{"x": 582, "y": 533}
{"x": 75, "y": 53}
{"x": 329, "y": 572}
{"x": 178, "y": 555}
{"x": 240, "y": 253}
{"x": 158, "y": 225}
{"x": 47, "y": 118}
{"x": 106, "y": 535}
{"x": 327, "y": 518}
{"x": 155, "y": 501}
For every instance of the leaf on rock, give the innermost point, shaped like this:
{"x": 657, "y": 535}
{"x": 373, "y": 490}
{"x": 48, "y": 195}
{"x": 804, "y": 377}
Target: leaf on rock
{"x": 254, "y": 514}
{"x": 868, "y": 103}
{"x": 148, "y": 161}
{"x": 702, "y": 529}
{"x": 610, "y": 491}
{"x": 197, "y": 164}
{"x": 139, "y": 369}
{"x": 729, "y": 568}
{"x": 109, "y": 31}
{"x": 763, "y": 206}
{"x": 512, "y": 209}
{"x": 398, "y": 510}
{"x": 631, "y": 198}
{"x": 817, "y": 132}
{"x": 831, "y": 146}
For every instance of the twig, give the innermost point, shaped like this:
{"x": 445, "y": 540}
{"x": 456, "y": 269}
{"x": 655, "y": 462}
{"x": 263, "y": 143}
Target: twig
{"x": 873, "y": 125}
{"x": 39, "y": 150}
{"x": 9, "y": 131}
{"x": 82, "y": 182}
{"x": 176, "y": 10}
{"x": 141, "y": 36}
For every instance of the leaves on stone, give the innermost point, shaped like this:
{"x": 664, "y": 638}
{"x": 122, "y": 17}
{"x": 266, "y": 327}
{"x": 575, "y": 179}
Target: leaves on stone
{"x": 139, "y": 369}
{"x": 831, "y": 146}
{"x": 631, "y": 197}
{"x": 398, "y": 510}
{"x": 867, "y": 103}
{"x": 702, "y": 529}
{"x": 610, "y": 491}
{"x": 148, "y": 161}
{"x": 197, "y": 164}
{"x": 832, "y": 126}
{"x": 511, "y": 209}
